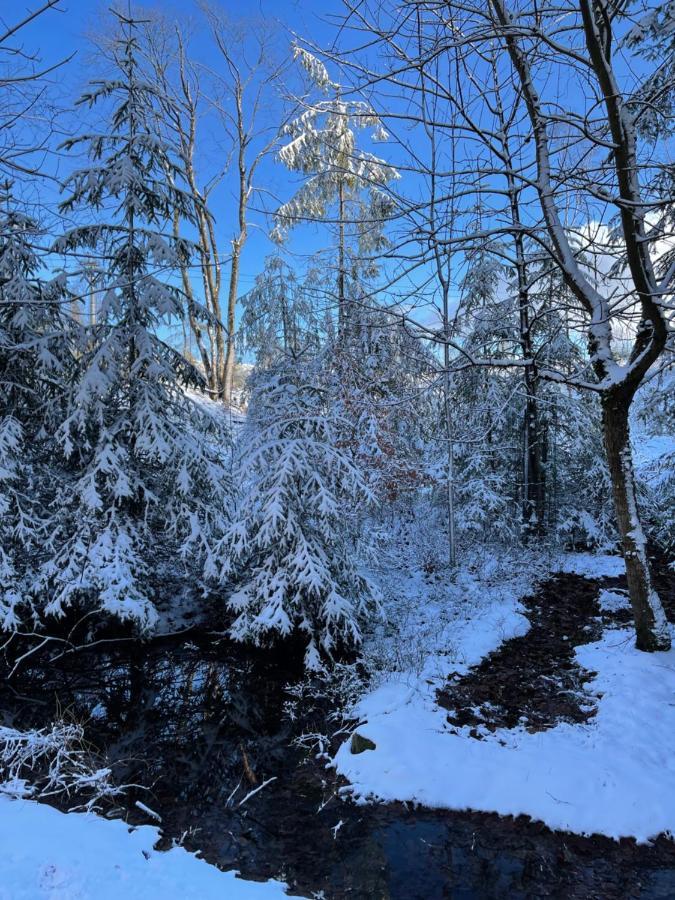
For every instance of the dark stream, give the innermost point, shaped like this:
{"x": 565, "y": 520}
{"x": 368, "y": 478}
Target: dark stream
{"x": 192, "y": 719}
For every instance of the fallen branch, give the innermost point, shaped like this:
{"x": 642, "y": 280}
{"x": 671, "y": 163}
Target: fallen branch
{"x": 255, "y": 790}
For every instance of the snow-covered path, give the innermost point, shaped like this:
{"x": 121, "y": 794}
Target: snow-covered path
{"x": 614, "y": 775}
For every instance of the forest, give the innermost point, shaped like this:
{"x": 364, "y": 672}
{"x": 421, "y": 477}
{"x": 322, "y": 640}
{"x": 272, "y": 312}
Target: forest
{"x": 337, "y": 449}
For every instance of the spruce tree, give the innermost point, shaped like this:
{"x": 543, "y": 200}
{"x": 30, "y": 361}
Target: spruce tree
{"x": 291, "y": 552}
{"x": 149, "y": 479}
{"x": 36, "y": 340}
{"x": 278, "y": 317}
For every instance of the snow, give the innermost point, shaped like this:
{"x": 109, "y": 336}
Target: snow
{"x": 651, "y": 449}
{"x": 216, "y": 408}
{"x": 78, "y": 856}
{"x": 612, "y": 601}
{"x": 591, "y": 565}
{"x": 434, "y": 627}
{"x": 614, "y": 775}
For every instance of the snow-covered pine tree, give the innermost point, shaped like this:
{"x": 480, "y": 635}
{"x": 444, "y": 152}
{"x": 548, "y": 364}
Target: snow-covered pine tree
{"x": 292, "y": 549}
{"x": 149, "y": 481}
{"x": 35, "y": 359}
{"x": 278, "y": 317}
{"x": 342, "y": 183}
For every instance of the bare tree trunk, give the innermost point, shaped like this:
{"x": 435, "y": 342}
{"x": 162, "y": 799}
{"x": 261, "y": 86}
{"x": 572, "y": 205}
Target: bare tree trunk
{"x": 533, "y": 497}
{"x": 209, "y": 373}
{"x": 227, "y": 377}
{"x": 650, "y": 622}
{"x": 651, "y": 625}
{"x": 450, "y": 481}
{"x": 341, "y": 264}
{"x": 533, "y": 491}
{"x": 534, "y": 478}
{"x": 90, "y": 268}
{"x": 237, "y": 246}
{"x": 195, "y": 326}
{"x": 212, "y": 281}
{"x": 230, "y": 353}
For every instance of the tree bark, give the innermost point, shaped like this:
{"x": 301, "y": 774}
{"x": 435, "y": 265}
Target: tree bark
{"x": 650, "y": 622}
{"x": 230, "y": 353}
{"x": 533, "y": 495}
{"x": 195, "y": 327}
{"x": 651, "y": 626}
{"x": 534, "y": 473}
{"x": 342, "y": 311}
{"x": 237, "y": 247}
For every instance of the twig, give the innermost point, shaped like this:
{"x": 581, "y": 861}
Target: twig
{"x": 148, "y": 811}
{"x": 255, "y": 790}
{"x": 250, "y": 774}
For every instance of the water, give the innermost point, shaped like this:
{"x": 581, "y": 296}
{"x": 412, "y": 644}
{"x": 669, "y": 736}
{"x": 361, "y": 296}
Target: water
{"x": 202, "y": 723}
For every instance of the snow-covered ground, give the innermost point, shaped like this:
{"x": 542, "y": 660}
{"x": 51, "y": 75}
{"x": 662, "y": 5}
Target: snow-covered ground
{"x": 216, "y": 408}
{"x": 434, "y": 627}
{"x": 591, "y": 565}
{"x": 614, "y": 775}
{"x": 48, "y": 855}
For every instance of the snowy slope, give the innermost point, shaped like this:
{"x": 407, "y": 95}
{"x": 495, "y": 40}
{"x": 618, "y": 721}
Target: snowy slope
{"x": 48, "y": 855}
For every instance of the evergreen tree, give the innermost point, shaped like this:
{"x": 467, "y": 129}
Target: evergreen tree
{"x": 35, "y": 359}
{"x": 380, "y": 377}
{"x": 278, "y": 317}
{"x": 292, "y": 547}
{"x": 342, "y": 182}
{"x": 146, "y": 462}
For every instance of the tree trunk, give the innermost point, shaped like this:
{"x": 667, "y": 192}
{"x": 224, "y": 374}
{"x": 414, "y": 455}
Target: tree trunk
{"x": 237, "y": 247}
{"x": 196, "y": 330}
{"x": 651, "y": 626}
{"x": 342, "y": 312}
{"x": 230, "y": 353}
{"x": 450, "y": 481}
{"x": 534, "y": 485}
{"x": 533, "y": 495}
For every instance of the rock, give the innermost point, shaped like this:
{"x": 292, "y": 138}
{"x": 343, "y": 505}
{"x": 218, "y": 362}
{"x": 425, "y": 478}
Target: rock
{"x": 361, "y": 743}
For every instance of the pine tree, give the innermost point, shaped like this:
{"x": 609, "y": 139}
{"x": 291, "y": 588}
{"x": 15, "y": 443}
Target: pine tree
{"x": 35, "y": 359}
{"x": 149, "y": 479}
{"x": 342, "y": 182}
{"x": 292, "y": 547}
{"x": 278, "y": 317}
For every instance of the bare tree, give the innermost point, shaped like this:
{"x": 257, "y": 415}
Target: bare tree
{"x": 184, "y": 110}
{"x": 245, "y": 90}
{"x": 544, "y": 106}
{"x": 22, "y": 82}
{"x": 533, "y": 493}
{"x": 240, "y": 96}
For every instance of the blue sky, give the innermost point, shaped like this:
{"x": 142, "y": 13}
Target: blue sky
{"x": 58, "y": 34}
{"x": 61, "y": 33}
{"x": 66, "y": 32}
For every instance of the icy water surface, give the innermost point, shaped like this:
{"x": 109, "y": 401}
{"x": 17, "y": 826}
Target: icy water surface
{"x": 202, "y": 725}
